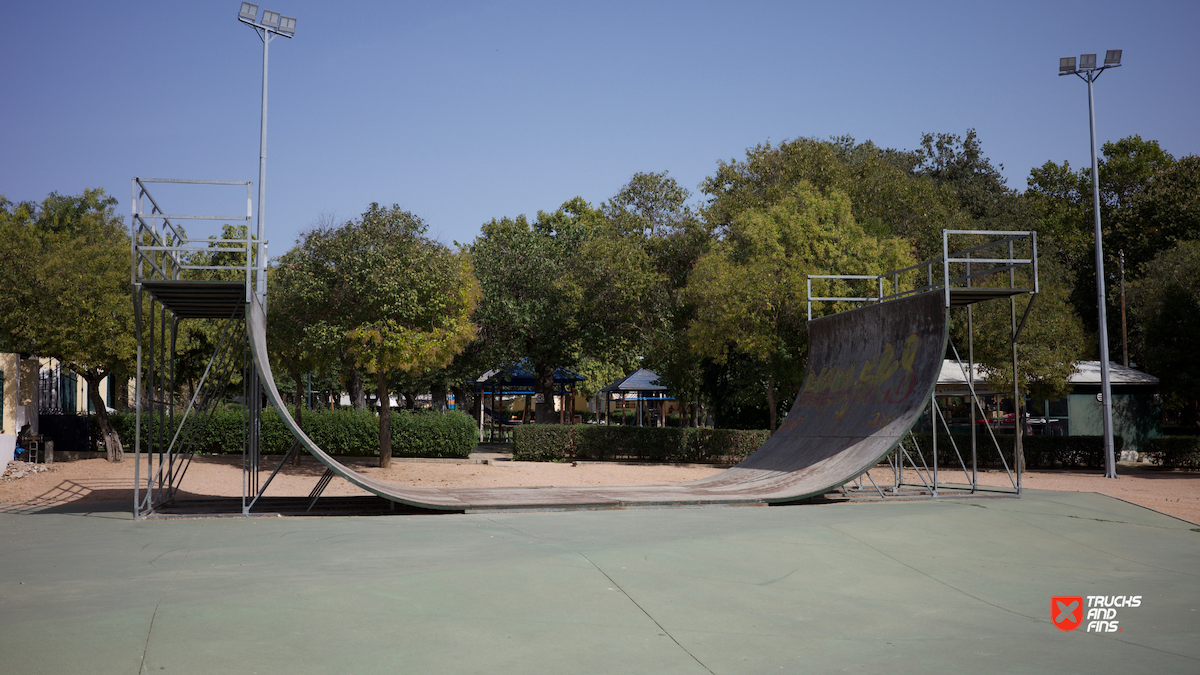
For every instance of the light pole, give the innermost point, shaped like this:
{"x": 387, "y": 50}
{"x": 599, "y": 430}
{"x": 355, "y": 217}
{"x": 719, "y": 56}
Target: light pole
{"x": 271, "y": 25}
{"x": 1087, "y": 71}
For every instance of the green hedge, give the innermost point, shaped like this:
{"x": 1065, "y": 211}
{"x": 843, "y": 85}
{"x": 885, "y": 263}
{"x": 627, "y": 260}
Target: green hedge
{"x": 1041, "y": 452}
{"x": 1175, "y": 452}
{"x": 1191, "y": 430}
{"x": 552, "y": 442}
{"x": 348, "y": 433}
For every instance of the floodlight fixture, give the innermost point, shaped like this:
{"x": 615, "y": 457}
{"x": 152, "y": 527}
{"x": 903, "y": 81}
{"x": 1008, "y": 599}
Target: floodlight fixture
{"x": 271, "y": 20}
{"x": 287, "y": 25}
{"x": 1066, "y": 65}
{"x": 1112, "y": 58}
{"x": 1086, "y": 61}
{"x": 248, "y": 12}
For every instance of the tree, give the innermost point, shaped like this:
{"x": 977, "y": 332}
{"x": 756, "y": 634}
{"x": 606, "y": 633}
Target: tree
{"x": 960, "y": 164}
{"x": 559, "y": 289}
{"x": 887, "y": 195}
{"x": 652, "y": 210}
{"x": 1051, "y": 342}
{"x": 749, "y": 289}
{"x": 296, "y": 300}
{"x": 1127, "y": 167}
{"x": 1164, "y": 212}
{"x": 395, "y": 300}
{"x": 65, "y": 269}
{"x": 649, "y": 202}
{"x": 1136, "y": 178}
{"x": 1165, "y": 302}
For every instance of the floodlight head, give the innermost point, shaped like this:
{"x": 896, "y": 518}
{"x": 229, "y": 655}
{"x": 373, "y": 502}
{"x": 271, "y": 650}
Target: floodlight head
{"x": 1066, "y": 64}
{"x": 1087, "y": 61}
{"x": 271, "y": 20}
{"x": 287, "y": 25}
{"x": 1112, "y": 57}
{"x": 248, "y": 12}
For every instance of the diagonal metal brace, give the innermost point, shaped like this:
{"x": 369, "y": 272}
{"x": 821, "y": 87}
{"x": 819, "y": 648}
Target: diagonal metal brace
{"x": 318, "y": 489}
{"x": 263, "y": 489}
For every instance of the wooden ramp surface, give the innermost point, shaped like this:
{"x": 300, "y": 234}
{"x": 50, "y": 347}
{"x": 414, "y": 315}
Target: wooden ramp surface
{"x": 871, "y": 372}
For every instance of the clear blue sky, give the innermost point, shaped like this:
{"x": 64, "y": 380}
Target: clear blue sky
{"x": 466, "y": 111}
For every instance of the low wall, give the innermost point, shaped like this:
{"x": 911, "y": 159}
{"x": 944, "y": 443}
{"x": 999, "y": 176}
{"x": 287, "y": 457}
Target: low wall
{"x": 8, "y": 443}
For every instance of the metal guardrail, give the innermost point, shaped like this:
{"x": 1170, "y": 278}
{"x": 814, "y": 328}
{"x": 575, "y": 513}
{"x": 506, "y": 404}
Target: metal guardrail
{"x": 162, "y": 250}
{"x": 948, "y": 272}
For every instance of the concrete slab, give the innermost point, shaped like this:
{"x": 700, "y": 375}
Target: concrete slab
{"x": 901, "y": 587}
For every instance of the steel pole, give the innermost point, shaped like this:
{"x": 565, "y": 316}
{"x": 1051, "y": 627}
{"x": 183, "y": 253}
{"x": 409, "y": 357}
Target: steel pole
{"x": 261, "y": 275}
{"x": 1110, "y": 462}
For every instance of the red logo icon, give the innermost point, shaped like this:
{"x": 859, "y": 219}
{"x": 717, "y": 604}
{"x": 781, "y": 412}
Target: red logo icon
{"x": 1066, "y": 612}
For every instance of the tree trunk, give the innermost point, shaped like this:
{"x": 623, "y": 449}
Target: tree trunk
{"x": 385, "y": 421}
{"x": 410, "y": 400}
{"x": 122, "y": 390}
{"x": 358, "y": 398}
{"x": 112, "y": 442}
{"x": 299, "y": 410}
{"x": 544, "y": 385}
{"x": 464, "y": 402}
{"x": 438, "y": 395}
{"x": 771, "y": 402}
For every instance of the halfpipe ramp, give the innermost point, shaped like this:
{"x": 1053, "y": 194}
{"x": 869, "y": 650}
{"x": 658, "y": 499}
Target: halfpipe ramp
{"x": 870, "y": 373}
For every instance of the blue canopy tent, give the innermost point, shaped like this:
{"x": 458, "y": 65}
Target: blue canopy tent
{"x": 515, "y": 380}
{"x": 651, "y": 398}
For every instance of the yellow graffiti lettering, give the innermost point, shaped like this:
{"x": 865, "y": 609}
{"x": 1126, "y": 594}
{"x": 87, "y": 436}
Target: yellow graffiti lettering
{"x": 909, "y": 355}
{"x": 887, "y": 365}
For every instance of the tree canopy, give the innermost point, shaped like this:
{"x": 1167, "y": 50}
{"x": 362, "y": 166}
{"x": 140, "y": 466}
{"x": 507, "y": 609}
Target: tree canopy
{"x": 376, "y": 287}
{"x": 749, "y": 289}
{"x": 64, "y": 265}
{"x": 558, "y": 289}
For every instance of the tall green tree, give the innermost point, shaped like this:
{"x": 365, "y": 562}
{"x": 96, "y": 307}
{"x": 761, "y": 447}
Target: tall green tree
{"x": 959, "y": 163}
{"x": 1165, "y": 302}
{"x": 1164, "y": 212}
{"x": 1130, "y": 193}
{"x": 652, "y": 210}
{"x": 749, "y": 289}
{"x": 559, "y": 289}
{"x": 888, "y": 195}
{"x": 64, "y": 265}
{"x": 395, "y": 300}
{"x": 296, "y": 302}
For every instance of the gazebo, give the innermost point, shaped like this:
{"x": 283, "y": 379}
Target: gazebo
{"x": 517, "y": 380}
{"x": 650, "y": 396}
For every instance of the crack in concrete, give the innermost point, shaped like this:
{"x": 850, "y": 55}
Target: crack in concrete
{"x": 614, "y": 583}
{"x": 150, "y": 629}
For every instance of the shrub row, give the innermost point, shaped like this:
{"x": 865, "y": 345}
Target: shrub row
{"x": 1175, "y": 452}
{"x": 1191, "y": 430}
{"x": 550, "y": 442}
{"x": 1041, "y": 452}
{"x": 353, "y": 433}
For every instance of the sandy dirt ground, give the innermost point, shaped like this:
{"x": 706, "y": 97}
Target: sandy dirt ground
{"x": 26, "y": 486}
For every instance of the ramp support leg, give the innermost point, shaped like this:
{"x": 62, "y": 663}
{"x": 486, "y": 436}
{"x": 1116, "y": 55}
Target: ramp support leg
{"x": 320, "y": 487}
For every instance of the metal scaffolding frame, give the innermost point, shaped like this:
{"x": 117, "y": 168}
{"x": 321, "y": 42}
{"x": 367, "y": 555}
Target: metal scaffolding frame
{"x": 964, "y": 284}
{"x": 175, "y": 278}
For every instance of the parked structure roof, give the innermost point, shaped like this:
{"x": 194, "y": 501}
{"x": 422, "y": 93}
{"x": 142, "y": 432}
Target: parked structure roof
{"x": 952, "y": 381}
{"x": 640, "y": 380}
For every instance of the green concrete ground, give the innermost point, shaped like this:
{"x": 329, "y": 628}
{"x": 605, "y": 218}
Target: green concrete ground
{"x": 899, "y": 587}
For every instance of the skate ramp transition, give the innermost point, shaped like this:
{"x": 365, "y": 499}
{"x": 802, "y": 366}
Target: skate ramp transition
{"x": 870, "y": 373}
